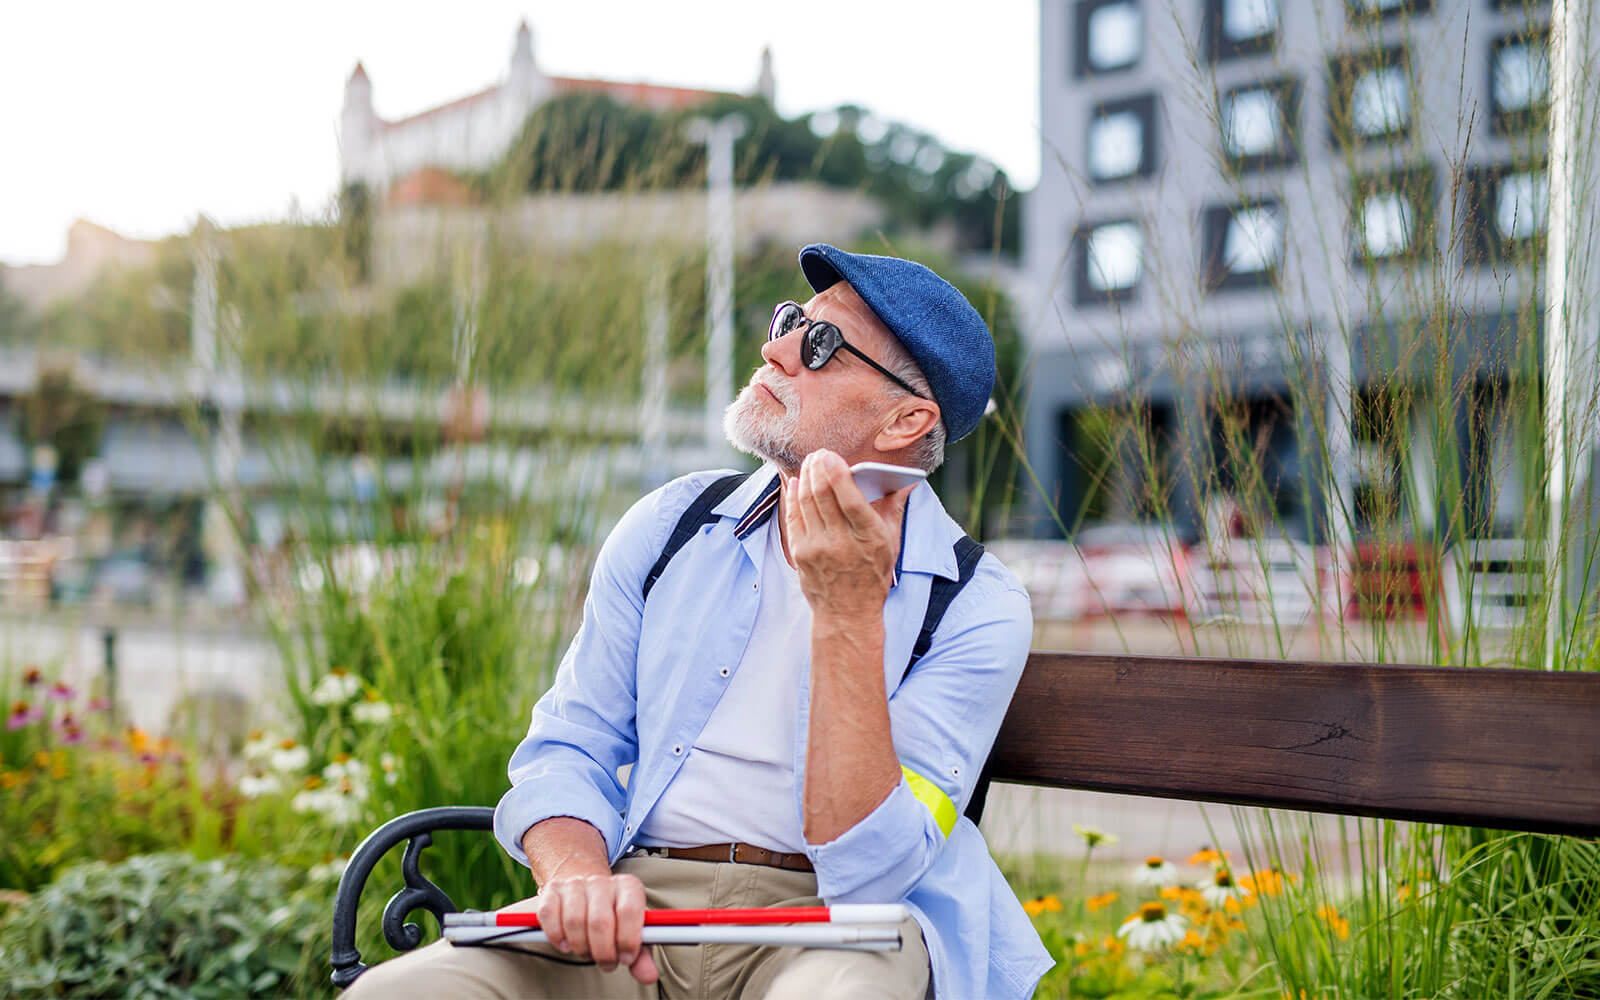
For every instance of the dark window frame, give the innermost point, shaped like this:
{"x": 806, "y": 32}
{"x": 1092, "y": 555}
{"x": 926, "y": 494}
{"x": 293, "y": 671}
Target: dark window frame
{"x": 1220, "y": 48}
{"x": 1419, "y": 182}
{"x": 1484, "y": 243}
{"x": 1085, "y": 294}
{"x": 1082, "y": 69}
{"x": 1355, "y": 14}
{"x": 1505, "y": 121}
{"x": 1215, "y": 220}
{"x": 1142, "y": 105}
{"x": 1344, "y": 70}
{"x": 1287, "y": 154}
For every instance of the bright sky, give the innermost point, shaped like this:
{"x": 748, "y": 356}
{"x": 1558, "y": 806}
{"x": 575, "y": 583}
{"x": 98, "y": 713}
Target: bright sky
{"x": 139, "y": 116}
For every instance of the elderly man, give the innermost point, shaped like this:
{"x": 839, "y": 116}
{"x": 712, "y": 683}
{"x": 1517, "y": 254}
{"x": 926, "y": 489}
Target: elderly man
{"x": 781, "y": 692}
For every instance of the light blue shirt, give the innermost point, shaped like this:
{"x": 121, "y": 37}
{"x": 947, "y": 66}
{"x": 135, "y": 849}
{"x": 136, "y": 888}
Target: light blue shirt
{"x": 676, "y": 660}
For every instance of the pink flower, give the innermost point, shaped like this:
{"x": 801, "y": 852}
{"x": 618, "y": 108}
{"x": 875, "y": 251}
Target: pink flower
{"x": 23, "y": 714}
{"x": 32, "y": 677}
{"x": 60, "y": 691}
{"x": 66, "y": 722}
{"x": 100, "y": 704}
{"x": 72, "y": 736}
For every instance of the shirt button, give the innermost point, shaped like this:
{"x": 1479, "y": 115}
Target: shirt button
{"x": 677, "y": 749}
{"x": 724, "y": 671}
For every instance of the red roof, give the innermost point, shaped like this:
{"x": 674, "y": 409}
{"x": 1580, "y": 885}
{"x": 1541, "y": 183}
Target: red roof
{"x": 429, "y": 186}
{"x": 647, "y": 95}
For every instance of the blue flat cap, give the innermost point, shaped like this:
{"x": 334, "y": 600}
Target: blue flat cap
{"x": 931, "y": 318}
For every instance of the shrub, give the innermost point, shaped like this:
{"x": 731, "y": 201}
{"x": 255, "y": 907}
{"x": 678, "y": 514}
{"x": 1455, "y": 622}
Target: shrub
{"x": 160, "y": 925}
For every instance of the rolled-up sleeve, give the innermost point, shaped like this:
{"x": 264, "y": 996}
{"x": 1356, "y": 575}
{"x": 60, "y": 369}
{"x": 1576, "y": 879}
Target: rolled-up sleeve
{"x": 943, "y": 719}
{"x": 583, "y": 728}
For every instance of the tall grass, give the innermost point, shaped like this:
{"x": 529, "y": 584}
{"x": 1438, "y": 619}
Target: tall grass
{"x": 1414, "y": 439}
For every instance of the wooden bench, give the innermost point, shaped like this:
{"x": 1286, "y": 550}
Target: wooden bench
{"x": 1504, "y": 749}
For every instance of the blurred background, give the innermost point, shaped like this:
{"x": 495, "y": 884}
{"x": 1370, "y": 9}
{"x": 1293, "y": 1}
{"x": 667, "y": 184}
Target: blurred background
{"x": 333, "y": 342}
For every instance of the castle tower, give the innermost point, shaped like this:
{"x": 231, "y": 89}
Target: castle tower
{"x": 358, "y": 126}
{"x": 766, "y": 84}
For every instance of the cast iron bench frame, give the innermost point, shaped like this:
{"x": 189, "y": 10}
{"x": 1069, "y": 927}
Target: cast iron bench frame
{"x": 1502, "y": 749}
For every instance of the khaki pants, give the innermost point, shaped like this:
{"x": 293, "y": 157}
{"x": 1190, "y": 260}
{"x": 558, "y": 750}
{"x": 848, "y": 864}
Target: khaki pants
{"x": 687, "y": 971}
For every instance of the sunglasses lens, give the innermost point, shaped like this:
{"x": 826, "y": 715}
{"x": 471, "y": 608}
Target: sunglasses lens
{"x": 787, "y": 317}
{"x": 819, "y": 345}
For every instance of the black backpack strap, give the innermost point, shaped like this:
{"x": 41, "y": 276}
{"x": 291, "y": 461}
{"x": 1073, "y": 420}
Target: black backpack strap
{"x": 940, "y": 596}
{"x": 694, "y": 518}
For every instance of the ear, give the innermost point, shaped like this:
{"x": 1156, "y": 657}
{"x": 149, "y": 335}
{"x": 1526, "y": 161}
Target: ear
{"x": 909, "y": 421}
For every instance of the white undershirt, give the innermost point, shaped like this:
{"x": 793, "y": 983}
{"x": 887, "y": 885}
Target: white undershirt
{"x": 737, "y": 781}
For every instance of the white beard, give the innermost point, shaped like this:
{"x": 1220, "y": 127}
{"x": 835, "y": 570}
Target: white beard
{"x": 777, "y": 438}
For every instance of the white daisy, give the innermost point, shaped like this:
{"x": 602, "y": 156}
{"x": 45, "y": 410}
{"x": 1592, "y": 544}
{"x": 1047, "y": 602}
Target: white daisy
{"x": 1220, "y": 888}
{"x": 391, "y": 768}
{"x": 1156, "y": 872}
{"x": 260, "y": 745}
{"x": 336, "y": 687}
{"x": 1092, "y": 836}
{"x": 1153, "y": 928}
{"x": 289, "y": 756}
{"x": 254, "y": 786}
{"x": 372, "y": 712}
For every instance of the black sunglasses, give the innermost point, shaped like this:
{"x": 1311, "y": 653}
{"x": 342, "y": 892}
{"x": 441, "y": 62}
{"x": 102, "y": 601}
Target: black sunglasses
{"x": 821, "y": 340}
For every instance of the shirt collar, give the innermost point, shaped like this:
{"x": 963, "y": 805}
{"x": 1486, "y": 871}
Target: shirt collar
{"x": 927, "y": 535}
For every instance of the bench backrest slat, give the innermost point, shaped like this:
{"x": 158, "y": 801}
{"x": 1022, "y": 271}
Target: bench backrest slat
{"x": 1507, "y": 749}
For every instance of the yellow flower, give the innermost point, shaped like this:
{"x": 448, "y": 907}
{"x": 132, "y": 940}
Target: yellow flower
{"x": 1093, "y": 837}
{"x": 11, "y": 779}
{"x": 1339, "y": 925}
{"x": 1113, "y": 946}
{"x": 1207, "y": 856}
{"x": 138, "y": 740}
{"x": 1082, "y": 948}
{"x": 1043, "y": 904}
{"x": 1100, "y": 902}
{"x": 41, "y": 759}
{"x": 1266, "y": 881}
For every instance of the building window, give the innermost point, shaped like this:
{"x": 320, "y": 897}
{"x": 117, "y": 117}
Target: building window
{"x": 1122, "y": 140}
{"x": 1244, "y": 245}
{"x": 1237, "y": 28}
{"x": 1110, "y": 36}
{"x": 1258, "y": 124}
{"x": 1508, "y": 210}
{"x": 1108, "y": 261}
{"x": 1369, "y": 97}
{"x": 1519, "y": 81}
{"x": 1377, "y": 10}
{"x": 1392, "y": 216}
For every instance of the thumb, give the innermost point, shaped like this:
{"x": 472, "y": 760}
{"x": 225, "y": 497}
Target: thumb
{"x": 644, "y": 967}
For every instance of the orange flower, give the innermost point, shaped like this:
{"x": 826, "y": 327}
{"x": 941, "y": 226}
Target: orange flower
{"x": 1266, "y": 881}
{"x": 1100, "y": 902}
{"x": 1043, "y": 904}
{"x": 1339, "y": 925}
{"x": 1207, "y": 856}
{"x": 138, "y": 740}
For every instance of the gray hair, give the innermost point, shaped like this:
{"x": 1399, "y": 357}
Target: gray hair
{"x": 927, "y": 453}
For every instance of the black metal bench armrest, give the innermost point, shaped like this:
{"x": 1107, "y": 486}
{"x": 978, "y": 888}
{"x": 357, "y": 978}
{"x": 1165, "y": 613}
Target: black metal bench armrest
{"x": 417, "y": 829}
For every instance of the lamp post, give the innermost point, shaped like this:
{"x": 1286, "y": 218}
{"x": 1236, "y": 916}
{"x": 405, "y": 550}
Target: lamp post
{"x": 1568, "y": 342}
{"x": 718, "y": 137}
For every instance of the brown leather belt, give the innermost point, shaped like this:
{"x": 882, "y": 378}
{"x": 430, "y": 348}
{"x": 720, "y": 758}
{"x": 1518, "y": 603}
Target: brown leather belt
{"x": 739, "y": 854}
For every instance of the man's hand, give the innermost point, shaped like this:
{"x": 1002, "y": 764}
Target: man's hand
{"x": 599, "y": 917}
{"x": 843, "y": 547}
{"x": 584, "y": 910}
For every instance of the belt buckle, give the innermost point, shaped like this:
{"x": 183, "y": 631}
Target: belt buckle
{"x": 733, "y": 850}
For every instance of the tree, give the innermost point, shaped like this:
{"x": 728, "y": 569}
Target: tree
{"x": 590, "y": 142}
{"x": 64, "y": 413}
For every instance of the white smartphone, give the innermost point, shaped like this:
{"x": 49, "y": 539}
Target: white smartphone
{"x": 876, "y": 480}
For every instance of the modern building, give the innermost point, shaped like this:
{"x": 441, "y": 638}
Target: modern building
{"x": 1261, "y": 221}
{"x": 472, "y": 132}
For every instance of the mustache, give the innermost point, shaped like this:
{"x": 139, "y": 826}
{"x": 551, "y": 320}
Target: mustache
{"x": 776, "y": 385}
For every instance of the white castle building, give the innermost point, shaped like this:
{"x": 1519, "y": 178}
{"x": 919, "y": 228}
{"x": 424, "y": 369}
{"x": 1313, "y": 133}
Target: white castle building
{"x": 472, "y": 132}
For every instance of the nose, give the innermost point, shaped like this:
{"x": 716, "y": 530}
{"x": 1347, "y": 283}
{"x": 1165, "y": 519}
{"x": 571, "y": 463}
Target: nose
{"x": 783, "y": 353}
